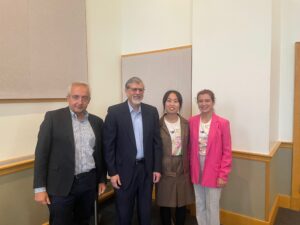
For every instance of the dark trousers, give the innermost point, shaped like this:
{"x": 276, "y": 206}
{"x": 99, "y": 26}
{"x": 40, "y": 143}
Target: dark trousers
{"x": 139, "y": 191}
{"x": 77, "y": 207}
{"x": 165, "y": 215}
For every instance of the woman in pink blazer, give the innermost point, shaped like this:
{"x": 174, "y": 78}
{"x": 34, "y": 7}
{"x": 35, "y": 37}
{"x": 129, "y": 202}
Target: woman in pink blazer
{"x": 210, "y": 158}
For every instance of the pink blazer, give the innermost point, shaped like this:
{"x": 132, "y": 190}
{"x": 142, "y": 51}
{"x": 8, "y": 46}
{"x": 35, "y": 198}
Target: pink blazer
{"x": 218, "y": 155}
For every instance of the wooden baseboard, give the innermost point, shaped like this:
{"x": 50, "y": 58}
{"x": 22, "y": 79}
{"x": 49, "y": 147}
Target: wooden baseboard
{"x": 26, "y": 162}
{"x": 284, "y": 201}
{"x": 295, "y": 204}
{"x": 280, "y": 201}
{"x": 232, "y": 218}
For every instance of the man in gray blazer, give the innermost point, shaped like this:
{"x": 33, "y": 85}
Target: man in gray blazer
{"x": 132, "y": 151}
{"x": 69, "y": 168}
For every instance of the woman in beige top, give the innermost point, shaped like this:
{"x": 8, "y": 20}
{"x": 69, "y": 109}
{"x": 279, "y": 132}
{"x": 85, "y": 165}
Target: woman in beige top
{"x": 175, "y": 189}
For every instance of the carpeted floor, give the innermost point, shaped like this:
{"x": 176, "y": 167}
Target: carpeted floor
{"x": 287, "y": 217}
{"x": 108, "y": 216}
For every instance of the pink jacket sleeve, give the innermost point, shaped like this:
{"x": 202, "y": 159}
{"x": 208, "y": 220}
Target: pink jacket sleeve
{"x": 226, "y": 152}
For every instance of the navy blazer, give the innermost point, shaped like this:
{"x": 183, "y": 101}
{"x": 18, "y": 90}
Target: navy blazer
{"x": 120, "y": 146}
{"x": 54, "y": 165}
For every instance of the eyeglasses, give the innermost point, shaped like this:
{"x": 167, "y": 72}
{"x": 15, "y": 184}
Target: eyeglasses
{"x": 83, "y": 98}
{"x": 137, "y": 89}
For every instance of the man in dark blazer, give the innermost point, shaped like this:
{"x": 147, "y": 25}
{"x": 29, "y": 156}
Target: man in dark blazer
{"x": 69, "y": 168}
{"x": 132, "y": 151}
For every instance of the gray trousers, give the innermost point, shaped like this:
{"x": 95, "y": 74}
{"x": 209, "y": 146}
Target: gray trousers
{"x": 207, "y": 202}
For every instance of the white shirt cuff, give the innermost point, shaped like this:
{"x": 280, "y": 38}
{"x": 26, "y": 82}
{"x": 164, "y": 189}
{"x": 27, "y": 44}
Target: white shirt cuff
{"x": 38, "y": 190}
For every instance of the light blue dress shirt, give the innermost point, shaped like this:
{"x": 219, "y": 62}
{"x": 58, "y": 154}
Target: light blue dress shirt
{"x": 137, "y": 123}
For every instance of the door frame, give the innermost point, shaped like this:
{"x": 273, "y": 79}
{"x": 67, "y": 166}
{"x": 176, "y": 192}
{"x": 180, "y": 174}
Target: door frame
{"x": 295, "y": 200}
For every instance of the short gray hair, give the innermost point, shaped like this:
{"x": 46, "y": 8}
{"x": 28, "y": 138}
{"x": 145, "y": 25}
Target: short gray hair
{"x": 135, "y": 80}
{"x": 78, "y": 83}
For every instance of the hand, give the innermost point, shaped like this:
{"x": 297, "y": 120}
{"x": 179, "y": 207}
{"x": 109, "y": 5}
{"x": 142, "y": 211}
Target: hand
{"x": 116, "y": 181}
{"x": 42, "y": 197}
{"x": 156, "y": 177}
{"x": 101, "y": 188}
{"x": 221, "y": 183}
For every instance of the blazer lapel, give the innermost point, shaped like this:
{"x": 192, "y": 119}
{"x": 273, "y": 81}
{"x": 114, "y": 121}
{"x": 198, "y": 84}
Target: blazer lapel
{"x": 184, "y": 143}
{"x": 69, "y": 127}
{"x": 128, "y": 123}
{"x": 146, "y": 119}
{"x": 93, "y": 125}
{"x": 212, "y": 131}
{"x": 163, "y": 126}
{"x": 196, "y": 126}
{"x": 183, "y": 134}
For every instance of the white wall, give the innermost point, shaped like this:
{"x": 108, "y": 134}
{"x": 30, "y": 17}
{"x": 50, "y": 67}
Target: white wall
{"x": 290, "y": 33}
{"x": 242, "y": 43}
{"x": 232, "y": 56}
{"x": 275, "y": 73}
{"x": 155, "y": 24}
{"x": 234, "y": 46}
{"x": 104, "y": 51}
{"x": 19, "y": 122}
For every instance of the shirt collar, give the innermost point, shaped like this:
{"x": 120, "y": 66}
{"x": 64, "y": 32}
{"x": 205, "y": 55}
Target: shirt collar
{"x": 132, "y": 110}
{"x": 73, "y": 115}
